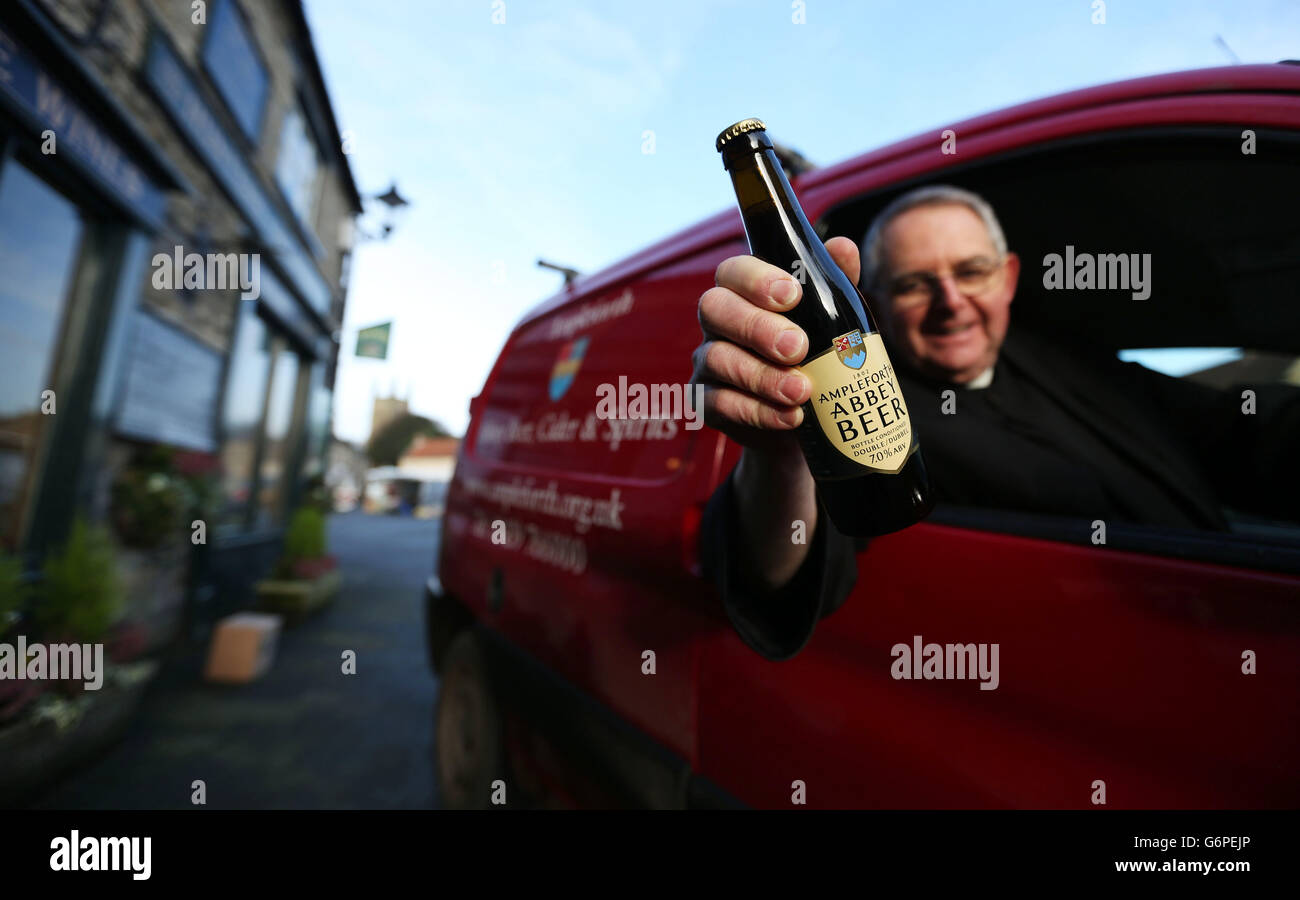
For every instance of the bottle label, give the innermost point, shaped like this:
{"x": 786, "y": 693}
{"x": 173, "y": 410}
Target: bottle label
{"x": 858, "y": 402}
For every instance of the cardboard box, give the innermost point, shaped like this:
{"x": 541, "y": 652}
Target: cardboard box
{"x": 243, "y": 646}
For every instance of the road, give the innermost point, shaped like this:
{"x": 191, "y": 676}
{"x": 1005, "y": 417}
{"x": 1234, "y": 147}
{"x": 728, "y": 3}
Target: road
{"x": 305, "y": 736}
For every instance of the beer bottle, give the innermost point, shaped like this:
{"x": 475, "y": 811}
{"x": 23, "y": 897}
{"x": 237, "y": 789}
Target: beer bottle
{"x": 856, "y": 434}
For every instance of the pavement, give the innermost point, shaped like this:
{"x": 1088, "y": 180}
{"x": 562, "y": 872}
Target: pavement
{"x": 304, "y": 736}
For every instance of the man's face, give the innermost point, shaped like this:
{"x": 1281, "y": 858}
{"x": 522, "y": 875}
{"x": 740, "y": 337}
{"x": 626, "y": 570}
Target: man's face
{"x": 949, "y": 295}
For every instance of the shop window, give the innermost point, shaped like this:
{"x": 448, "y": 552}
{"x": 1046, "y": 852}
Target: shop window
{"x": 319, "y": 410}
{"x": 241, "y": 418}
{"x": 278, "y": 455}
{"x": 261, "y": 426}
{"x": 40, "y": 237}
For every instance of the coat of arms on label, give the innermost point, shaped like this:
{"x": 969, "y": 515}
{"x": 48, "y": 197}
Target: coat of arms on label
{"x": 849, "y": 348}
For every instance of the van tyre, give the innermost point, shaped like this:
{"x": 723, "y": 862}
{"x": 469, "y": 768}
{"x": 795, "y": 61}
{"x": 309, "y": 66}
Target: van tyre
{"x": 469, "y": 748}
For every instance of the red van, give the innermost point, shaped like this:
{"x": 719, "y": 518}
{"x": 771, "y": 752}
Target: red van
{"x": 586, "y": 661}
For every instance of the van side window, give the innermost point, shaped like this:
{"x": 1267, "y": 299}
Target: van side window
{"x": 1123, "y": 264}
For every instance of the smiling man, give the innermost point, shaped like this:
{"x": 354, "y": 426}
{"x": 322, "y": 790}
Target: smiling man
{"x": 1005, "y": 419}
{"x": 939, "y": 256}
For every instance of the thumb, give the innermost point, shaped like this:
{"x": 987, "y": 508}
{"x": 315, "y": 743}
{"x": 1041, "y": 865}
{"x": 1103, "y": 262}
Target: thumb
{"x": 845, "y": 254}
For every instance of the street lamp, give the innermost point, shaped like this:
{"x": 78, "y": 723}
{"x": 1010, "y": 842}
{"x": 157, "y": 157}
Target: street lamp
{"x": 395, "y": 203}
{"x": 391, "y": 198}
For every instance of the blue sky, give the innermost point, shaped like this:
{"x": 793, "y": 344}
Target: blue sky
{"x": 525, "y": 139}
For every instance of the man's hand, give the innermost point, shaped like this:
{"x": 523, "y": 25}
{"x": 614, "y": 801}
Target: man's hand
{"x": 753, "y": 395}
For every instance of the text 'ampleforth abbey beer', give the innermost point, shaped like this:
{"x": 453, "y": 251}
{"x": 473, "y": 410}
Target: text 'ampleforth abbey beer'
{"x": 856, "y": 434}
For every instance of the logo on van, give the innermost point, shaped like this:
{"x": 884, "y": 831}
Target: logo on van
{"x": 849, "y": 348}
{"x": 566, "y": 366}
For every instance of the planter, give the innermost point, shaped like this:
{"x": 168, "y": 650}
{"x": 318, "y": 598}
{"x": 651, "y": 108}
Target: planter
{"x": 56, "y": 732}
{"x": 16, "y": 696}
{"x": 298, "y": 598}
{"x": 307, "y": 569}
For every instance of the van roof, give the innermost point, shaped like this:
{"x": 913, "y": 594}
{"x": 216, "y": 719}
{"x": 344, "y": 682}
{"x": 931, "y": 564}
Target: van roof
{"x": 725, "y": 225}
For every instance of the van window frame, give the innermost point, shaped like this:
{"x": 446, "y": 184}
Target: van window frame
{"x": 1252, "y": 552}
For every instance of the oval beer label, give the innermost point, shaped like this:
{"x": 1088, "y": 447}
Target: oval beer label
{"x": 858, "y": 402}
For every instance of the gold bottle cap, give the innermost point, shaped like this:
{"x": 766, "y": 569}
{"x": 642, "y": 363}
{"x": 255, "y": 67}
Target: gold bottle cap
{"x": 741, "y": 127}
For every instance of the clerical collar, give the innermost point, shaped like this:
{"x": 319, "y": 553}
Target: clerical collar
{"x": 980, "y": 381}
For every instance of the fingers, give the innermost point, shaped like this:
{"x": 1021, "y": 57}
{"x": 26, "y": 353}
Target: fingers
{"x": 730, "y": 316}
{"x": 740, "y": 415}
{"x": 763, "y": 285}
{"x": 770, "y": 287}
{"x": 729, "y": 365}
{"x": 846, "y": 256}
{"x": 751, "y": 392}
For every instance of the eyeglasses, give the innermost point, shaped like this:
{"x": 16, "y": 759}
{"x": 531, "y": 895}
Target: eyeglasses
{"x": 972, "y": 276}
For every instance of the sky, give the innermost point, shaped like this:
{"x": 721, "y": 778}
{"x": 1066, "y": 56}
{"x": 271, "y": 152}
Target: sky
{"x": 526, "y": 138}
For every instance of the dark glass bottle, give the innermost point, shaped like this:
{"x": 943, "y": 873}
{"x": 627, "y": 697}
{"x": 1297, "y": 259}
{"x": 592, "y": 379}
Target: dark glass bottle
{"x": 856, "y": 435}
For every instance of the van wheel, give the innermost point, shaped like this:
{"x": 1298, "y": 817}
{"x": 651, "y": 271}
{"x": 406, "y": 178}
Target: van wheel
{"x": 468, "y": 746}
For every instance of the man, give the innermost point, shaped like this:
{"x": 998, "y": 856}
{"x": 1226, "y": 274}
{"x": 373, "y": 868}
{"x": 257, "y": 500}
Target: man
{"x": 1029, "y": 425}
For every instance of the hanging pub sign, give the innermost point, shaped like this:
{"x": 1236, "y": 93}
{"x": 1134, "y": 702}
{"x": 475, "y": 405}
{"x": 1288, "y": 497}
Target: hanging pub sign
{"x": 372, "y": 342}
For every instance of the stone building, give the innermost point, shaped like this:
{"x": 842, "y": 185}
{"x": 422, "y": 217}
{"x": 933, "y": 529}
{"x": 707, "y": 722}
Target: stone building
{"x": 386, "y": 410}
{"x": 176, "y": 213}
